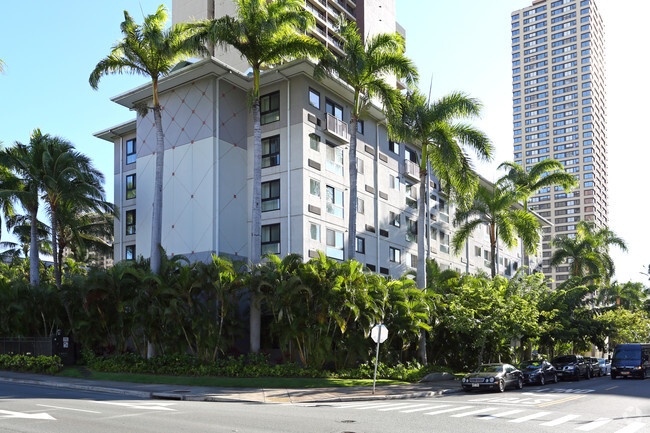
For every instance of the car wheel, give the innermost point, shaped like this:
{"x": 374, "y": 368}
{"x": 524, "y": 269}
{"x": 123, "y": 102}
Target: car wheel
{"x": 467, "y": 389}
{"x": 613, "y": 376}
{"x": 555, "y": 378}
{"x": 577, "y": 375}
{"x": 502, "y": 385}
{"x": 542, "y": 381}
{"x": 520, "y": 383}
{"x": 588, "y": 375}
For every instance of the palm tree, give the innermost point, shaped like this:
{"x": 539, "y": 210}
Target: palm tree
{"x": 434, "y": 126}
{"x": 150, "y": 50}
{"x": 495, "y": 207}
{"x": 364, "y": 67}
{"x": 83, "y": 232}
{"x": 2, "y": 66}
{"x": 629, "y": 295}
{"x": 265, "y": 33}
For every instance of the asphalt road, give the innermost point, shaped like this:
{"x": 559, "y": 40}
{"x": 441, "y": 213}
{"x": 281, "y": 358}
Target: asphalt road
{"x": 597, "y": 405}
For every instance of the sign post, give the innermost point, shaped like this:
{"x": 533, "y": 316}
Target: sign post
{"x": 379, "y": 334}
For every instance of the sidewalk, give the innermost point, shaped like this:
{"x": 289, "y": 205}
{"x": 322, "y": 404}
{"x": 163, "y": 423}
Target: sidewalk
{"x": 257, "y": 395}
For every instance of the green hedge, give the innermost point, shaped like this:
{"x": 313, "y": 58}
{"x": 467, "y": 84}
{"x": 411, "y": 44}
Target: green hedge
{"x": 32, "y": 364}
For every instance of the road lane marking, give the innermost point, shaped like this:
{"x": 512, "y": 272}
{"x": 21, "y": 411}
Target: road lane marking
{"x": 145, "y": 406}
{"x": 551, "y": 403}
{"x": 473, "y": 412}
{"x": 398, "y": 407}
{"x": 561, "y": 420}
{"x": 11, "y": 414}
{"x": 631, "y": 428}
{"x": 376, "y": 406}
{"x": 529, "y": 417}
{"x": 502, "y": 414}
{"x": 611, "y": 387}
{"x": 352, "y": 405}
{"x": 439, "y": 406}
{"x": 453, "y": 409}
{"x": 594, "y": 424}
{"x": 67, "y": 408}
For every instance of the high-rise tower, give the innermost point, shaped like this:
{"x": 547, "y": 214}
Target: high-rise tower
{"x": 559, "y": 111}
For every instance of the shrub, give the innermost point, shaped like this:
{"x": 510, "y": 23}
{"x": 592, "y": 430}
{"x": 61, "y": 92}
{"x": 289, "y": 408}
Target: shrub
{"x": 32, "y": 364}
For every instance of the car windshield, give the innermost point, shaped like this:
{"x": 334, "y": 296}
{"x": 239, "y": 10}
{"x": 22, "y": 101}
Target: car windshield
{"x": 489, "y": 369}
{"x": 562, "y": 359}
{"x": 530, "y": 365}
{"x": 627, "y": 354}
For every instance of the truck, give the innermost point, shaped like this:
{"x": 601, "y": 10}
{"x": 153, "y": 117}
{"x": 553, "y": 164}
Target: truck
{"x": 631, "y": 360}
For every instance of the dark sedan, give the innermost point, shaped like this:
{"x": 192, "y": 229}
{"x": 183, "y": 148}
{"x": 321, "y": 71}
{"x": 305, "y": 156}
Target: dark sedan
{"x": 493, "y": 376}
{"x": 540, "y": 372}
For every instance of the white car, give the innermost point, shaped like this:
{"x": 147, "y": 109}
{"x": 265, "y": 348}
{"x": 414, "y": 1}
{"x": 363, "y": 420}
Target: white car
{"x": 605, "y": 366}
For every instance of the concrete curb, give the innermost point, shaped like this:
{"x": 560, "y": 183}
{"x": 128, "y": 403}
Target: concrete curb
{"x": 129, "y": 392}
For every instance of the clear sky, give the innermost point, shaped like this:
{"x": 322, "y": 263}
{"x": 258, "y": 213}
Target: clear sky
{"x": 50, "y": 49}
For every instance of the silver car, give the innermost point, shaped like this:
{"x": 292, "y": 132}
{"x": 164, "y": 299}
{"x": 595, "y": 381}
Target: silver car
{"x": 605, "y": 366}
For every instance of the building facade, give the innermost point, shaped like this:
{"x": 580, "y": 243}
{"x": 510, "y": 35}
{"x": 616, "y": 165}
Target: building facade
{"x": 559, "y": 111}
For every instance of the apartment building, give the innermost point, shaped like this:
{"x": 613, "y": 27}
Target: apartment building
{"x": 559, "y": 111}
{"x": 305, "y": 188}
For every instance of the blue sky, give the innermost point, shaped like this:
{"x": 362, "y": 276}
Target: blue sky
{"x": 50, "y": 48}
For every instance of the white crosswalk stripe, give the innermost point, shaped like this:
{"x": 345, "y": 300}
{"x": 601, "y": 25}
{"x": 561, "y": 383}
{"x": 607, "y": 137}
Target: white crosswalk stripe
{"x": 453, "y": 409}
{"x": 422, "y": 409}
{"x": 594, "y": 424}
{"x": 529, "y": 417}
{"x": 401, "y": 406}
{"x": 372, "y": 406}
{"x": 351, "y": 405}
{"x": 632, "y": 428}
{"x": 561, "y": 420}
{"x": 473, "y": 412}
{"x": 502, "y": 414}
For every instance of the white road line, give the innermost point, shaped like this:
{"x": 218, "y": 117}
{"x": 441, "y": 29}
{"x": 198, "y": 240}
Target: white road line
{"x": 594, "y": 424}
{"x": 561, "y": 420}
{"x": 351, "y": 405}
{"x": 631, "y": 428}
{"x": 453, "y": 409}
{"x": 473, "y": 412}
{"x": 502, "y": 414}
{"x": 67, "y": 408}
{"x": 439, "y": 406}
{"x": 403, "y": 406}
{"x": 529, "y": 417}
{"x": 376, "y": 406}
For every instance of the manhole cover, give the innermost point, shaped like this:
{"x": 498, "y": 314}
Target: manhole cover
{"x": 348, "y": 421}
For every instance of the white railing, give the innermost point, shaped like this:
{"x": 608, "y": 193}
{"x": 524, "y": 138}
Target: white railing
{"x": 412, "y": 170}
{"x": 337, "y": 127}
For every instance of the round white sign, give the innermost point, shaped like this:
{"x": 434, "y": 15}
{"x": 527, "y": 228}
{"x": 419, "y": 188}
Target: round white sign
{"x": 376, "y": 335}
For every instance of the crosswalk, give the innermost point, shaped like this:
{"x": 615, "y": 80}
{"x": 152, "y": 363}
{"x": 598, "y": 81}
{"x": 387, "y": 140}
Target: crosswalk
{"x": 515, "y": 416}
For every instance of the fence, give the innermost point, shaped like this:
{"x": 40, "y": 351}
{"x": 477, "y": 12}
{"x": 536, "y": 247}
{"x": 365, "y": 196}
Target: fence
{"x": 27, "y": 345}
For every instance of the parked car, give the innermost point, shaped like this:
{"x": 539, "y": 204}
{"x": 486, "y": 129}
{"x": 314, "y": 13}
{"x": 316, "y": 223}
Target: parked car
{"x": 493, "y": 376}
{"x": 571, "y": 367}
{"x": 595, "y": 366}
{"x": 540, "y": 372}
{"x": 605, "y": 366}
{"x": 631, "y": 360}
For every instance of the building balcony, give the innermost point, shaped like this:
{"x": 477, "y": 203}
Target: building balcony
{"x": 411, "y": 170}
{"x": 337, "y": 128}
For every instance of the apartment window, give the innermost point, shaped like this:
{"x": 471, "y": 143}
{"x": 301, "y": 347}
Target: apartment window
{"x": 129, "y": 252}
{"x": 270, "y": 108}
{"x": 444, "y": 242}
{"x": 271, "y": 239}
{"x": 360, "y": 165}
{"x": 334, "y": 201}
{"x": 477, "y": 251}
{"x": 393, "y": 147}
{"x": 314, "y": 232}
{"x": 314, "y": 187}
{"x": 314, "y": 98}
{"x": 271, "y": 151}
{"x": 130, "y": 186}
{"x": 334, "y": 161}
{"x": 360, "y": 127}
{"x": 334, "y": 243}
{"x": 334, "y": 109}
{"x": 412, "y": 260}
{"x": 444, "y": 210}
{"x": 393, "y": 182}
{"x": 314, "y": 142}
{"x": 394, "y": 219}
{"x": 130, "y": 151}
{"x": 271, "y": 195}
{"x": 130, "y": 222}
{"x": 394, "y": 255}
{"x": 360, "y": 245}
{"x": 412, "y": 230}
{"x": 361, "y": 206}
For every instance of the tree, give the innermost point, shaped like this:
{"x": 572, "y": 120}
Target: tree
{"x": 629, "y": 295}
{"x": 443, "y": 140}
{"x": 265, "y": 33}
{"x": 364, "y": 66}
{"x": 150, "y": 50}
{"x": 495, "y": 207}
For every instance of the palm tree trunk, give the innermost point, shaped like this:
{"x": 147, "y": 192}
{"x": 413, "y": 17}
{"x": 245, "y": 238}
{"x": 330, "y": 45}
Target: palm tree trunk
{"x": 256, "y": 224}
{"x": 55, "y": 251}
{"x": 34, "y": 277}
{"x": 352, "y": 215}
{"x": 421, "y": 275}
{"x": 156, "y": 220}
{"x": 493, "y": 251}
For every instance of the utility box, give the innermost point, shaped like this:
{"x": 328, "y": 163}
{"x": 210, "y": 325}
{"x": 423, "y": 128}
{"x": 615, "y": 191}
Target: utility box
{"x": 64, "y": 347}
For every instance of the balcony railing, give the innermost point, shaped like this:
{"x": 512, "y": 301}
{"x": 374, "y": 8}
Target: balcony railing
{"x": 411, "y": 170}
{"x": 337, "y": 128}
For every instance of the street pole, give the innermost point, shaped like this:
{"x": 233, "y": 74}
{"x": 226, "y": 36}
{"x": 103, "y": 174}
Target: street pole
{"x": 374, "y": 379}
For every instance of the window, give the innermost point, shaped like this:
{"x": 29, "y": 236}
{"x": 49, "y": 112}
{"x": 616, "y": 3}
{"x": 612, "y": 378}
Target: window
{"x": 271, "y": 195}
{"x": 271, "y": 151}
{"x": 360, "y": 127}
{"x": 411, "y": 230}
{"x": 477, "y": 251}
{"x": 314, "y": 232}
{"x": 130, "y": 151}
{"x": 361, "y": 206}
{"x": 271, "y": 239}
{"x": 393, "y": 182}
{"x": 360, "y": 165}
{"x": 394, "y": 219}
{"x": 314, "y": 187}
{"x": 130, "y": 222}
{"x": 270, "y": 108}
{"x": 444, "y": 242}
{"x": 394, "y": 255}
{"x": 393, "y": 147}
{"x": 314, "y": 98}
{"x": 334, "y": 109}
{"x": 334, "y": 244}
{"x": 444, "y": 210}
{"x": 334, "y": 160}
{"x": 129, "y": 252}
{"x": 130, "y": 186}
{"x": 360, "y": 245}
{"x": 314, "y": 142}
{"x": 334, "y": 201}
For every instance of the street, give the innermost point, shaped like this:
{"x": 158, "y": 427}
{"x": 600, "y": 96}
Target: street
{"x": 597, "y": 405}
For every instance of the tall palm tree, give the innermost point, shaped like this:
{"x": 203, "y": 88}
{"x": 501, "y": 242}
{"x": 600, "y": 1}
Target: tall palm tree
{"x": 265, "y": 33}
{"x": 629, "y": 295}
{"x": 364, "y": 67}
{"x": 495, "y": 207}
{"x": 436, "y": 129}
{"x": 81, "y": 232}
{"x": 151, "y": 50}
